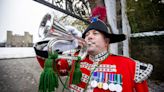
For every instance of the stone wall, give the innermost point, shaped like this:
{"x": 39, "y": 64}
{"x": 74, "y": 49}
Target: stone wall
{"x": 150, "y": 50}
{"x": 18, "y": 40}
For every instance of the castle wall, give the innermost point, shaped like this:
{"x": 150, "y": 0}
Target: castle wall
{"x": 18, "y": 40}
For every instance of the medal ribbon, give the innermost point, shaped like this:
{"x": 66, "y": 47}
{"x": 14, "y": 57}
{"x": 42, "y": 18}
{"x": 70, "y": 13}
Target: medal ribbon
{"x": 100, "y": 78}
{"x": 115, "y": 78}
{"x": 95, "y": 76}
{"x": 111, "y": 78}
{"x": 119, "y": 79}
{"x": 106, "y": 77}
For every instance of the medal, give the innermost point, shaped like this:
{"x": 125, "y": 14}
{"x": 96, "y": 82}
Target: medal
{"x": 94, "y": 82}
{"x": 118, "y": 88}
{"x": 112, "y": 87}
{"x": 105, "y": 85}
{"x": 111, "y": 80}
{"x": 100, "y": 84}
{"x": 119, "y": 82}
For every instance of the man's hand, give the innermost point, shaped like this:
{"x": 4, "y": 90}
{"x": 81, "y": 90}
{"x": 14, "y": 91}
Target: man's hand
{"x": 73, "y": 31}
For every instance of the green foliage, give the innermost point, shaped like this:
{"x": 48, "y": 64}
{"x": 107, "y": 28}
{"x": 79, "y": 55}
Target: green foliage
{"x": 145, "y": 15}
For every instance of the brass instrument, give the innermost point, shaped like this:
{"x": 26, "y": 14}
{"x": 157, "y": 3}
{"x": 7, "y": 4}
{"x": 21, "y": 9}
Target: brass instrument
{"x": 61, "y": 39}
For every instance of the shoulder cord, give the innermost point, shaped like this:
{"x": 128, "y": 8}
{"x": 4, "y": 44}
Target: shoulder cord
{"x": 64, "y": 84}
{"x": 90, "y": 77}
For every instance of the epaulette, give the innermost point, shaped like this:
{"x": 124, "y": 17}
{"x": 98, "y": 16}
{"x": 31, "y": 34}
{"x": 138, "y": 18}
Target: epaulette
{"x": 142, "y": 72}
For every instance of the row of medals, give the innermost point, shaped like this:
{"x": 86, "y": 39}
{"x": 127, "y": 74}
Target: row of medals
{"x": 106, "y": 81}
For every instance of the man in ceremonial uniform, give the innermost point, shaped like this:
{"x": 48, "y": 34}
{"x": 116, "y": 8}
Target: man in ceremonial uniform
{"x": 103, "y": 71}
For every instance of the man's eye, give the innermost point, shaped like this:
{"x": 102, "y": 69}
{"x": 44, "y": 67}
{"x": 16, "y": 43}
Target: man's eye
{"x": 95, "y": 33}
{"x": 86, "y": 34}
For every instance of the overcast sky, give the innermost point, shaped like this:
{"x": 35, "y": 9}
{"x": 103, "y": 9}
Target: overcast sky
{"x": 20, "y": 16}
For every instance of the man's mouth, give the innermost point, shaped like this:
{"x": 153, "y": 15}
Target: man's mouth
{"x": 90, "y": 44}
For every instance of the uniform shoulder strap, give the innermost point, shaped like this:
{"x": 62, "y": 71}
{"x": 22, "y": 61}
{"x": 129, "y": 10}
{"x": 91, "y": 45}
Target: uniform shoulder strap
{"x": 142, "y": 71}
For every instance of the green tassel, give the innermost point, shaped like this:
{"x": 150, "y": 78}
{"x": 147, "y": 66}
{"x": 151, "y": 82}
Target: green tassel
{"x": 77, "y": 72}
{"x": 48, "y": 78}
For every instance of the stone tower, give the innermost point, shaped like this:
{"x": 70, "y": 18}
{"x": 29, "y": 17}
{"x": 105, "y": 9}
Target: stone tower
{"x": 18, "y": 40}
{"x": 9, "y": 39}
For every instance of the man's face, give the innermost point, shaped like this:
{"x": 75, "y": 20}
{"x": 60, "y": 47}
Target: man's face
{"x": 96, "y": 42}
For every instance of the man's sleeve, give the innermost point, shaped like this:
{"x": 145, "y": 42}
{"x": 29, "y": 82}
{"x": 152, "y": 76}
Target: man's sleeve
{"x": 142, "y": 72}
{"x": 40, "y": 61}
{"x": 62, "y": 65}
{"x": 141, "y": 87}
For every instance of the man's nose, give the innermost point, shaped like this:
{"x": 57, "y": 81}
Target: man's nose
{"x": 90, "y": 36}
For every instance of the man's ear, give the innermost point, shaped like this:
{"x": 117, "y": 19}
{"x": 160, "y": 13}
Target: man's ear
{"x": 107, "y": 40}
